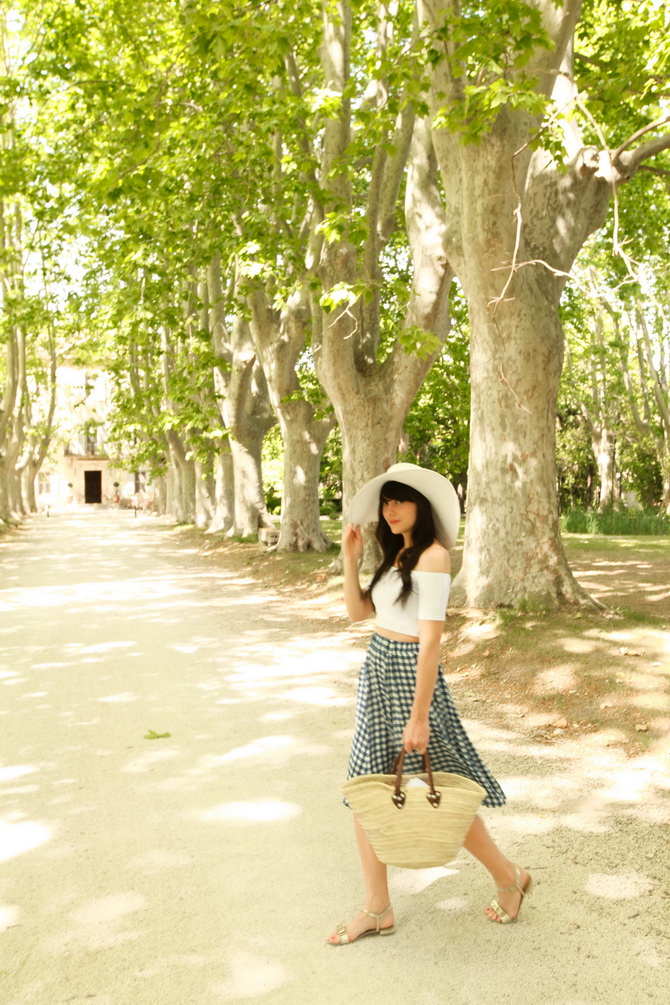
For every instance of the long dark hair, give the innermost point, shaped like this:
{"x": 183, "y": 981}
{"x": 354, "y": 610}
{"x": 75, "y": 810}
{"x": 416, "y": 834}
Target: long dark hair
{"x": 423, "y": 535}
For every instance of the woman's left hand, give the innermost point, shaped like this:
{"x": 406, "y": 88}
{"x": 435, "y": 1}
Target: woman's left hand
{"x": 415, "y": 736}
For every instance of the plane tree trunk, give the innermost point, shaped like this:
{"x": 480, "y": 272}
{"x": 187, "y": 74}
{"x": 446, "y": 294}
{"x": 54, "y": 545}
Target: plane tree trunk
{"x": 244, "y": 408}
{"x": 371, "y": 392}
{"x": 517, "y": 220}
{"x": 280, "y": 337}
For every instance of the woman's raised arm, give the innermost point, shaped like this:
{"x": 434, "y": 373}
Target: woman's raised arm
{"x": 359, "y": 606}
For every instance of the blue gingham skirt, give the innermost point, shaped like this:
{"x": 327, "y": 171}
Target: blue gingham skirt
{"x": 385, "y": 695}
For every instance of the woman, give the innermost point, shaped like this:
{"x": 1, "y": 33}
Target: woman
{"x": 403, "y": 699}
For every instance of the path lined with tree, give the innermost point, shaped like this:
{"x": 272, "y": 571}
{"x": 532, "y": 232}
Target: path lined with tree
{"x": 312, "y": 217}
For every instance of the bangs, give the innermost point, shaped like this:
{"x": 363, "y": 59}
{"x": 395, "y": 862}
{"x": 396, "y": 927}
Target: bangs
{"x": 399, "y": 491}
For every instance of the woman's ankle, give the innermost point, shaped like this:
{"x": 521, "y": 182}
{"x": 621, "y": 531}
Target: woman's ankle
{"x": 505, "y": 876}
{"x": 377, "y": 905}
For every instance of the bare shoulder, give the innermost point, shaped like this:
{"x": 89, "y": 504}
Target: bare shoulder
{"x": 434, "y": 559}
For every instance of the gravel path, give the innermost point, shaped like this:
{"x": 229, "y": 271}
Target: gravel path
{"x": 209, "y": 865}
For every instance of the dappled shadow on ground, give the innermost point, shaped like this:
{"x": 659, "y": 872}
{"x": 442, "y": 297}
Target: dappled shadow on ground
{"x": 575, "y": 672}
{"x": 627, "y": 572}
{"x": 208, "y": 865}
{"x": 562, "y": 674}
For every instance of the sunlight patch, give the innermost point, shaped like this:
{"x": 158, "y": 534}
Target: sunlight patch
{"x": 454, "y": 905}
{"x": 103, "y": 647}
{"x": 625, "y": 886}
{"x": 651, "y": 952}
{"x": 275, "y": 749}
{"x": 20, "y": 837}
{"x": 262, "y": 746}
{"x": 520, "y": 823}
{"x": 587, "y": 821}
{"x": 101, "y": 924}
{"x": 9, "y": 916}
{"x": 315, "y": 696}
{"x": 555, "y": 679}
{"x": 148, "y": 760}
{"x": 417, "y": 880}
{"x": 109, "y": 910}
{"x": 630, "y": 783}
{"x": 9, "y": 774}
{"x": 578, "y": 645}
{"x": 656, "y": 702}
{"x": 487, "y": 630}
{"x": 251, "y": 976}
{"x": 259, "y": 811}
{"x": 158, "y": 860}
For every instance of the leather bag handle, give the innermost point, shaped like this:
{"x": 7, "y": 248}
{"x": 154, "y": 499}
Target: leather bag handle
{"x": 398, "y": 797}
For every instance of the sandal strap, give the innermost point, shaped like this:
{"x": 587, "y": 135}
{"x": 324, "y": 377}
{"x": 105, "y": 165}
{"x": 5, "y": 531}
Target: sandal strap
{"x": 342, "y": 932}
{"x": 516, "y": 886}
{"x": 377, "y": 917}
{"x": 502, "y": 914}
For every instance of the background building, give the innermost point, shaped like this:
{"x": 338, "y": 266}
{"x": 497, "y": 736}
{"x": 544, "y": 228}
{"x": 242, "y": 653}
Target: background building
{"x": 79, "y": 470}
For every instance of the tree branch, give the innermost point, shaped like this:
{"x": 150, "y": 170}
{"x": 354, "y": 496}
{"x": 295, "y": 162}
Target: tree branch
{"x": 640, "y": 132}
{"x": 663, "y": 172}
{"x": 394, "y": 171}
{"x": 629, "y": 163}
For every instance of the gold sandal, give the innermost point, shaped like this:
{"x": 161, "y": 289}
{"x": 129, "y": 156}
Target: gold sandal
{"x": 503, "y": 916}
{"x": 346, "y": 941}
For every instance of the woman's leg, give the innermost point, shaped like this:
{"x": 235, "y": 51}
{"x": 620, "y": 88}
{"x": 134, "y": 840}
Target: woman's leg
{"x": 480, "y": 844}
{"x": 377, "y": 897}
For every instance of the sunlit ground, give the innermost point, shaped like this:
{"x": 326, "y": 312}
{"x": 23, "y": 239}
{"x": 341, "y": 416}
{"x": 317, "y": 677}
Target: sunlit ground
{"x": 208, "y": 865}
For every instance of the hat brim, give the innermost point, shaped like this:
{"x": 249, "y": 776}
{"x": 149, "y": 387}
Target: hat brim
{"x": 436, "y": 488}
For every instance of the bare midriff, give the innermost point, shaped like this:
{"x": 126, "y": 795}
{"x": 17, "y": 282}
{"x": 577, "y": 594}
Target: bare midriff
{"x": 386, "y": 633}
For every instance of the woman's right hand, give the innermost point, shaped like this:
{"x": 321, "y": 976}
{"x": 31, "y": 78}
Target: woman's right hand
{"x": 352, "y": 542}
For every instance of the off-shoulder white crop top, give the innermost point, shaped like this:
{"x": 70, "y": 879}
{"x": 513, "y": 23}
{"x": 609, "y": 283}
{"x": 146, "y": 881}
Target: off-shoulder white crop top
{"x": 427, "y": 601}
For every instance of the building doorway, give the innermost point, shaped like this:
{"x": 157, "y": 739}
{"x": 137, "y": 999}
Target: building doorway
{"x": 93, "y": 486}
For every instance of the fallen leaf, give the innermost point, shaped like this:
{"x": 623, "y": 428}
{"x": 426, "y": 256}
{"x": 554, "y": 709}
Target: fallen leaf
{"x": 152, "y": 735}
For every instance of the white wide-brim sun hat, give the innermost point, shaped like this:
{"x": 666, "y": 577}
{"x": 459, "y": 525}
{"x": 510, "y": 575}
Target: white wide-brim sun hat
{"x": 437, "y": 489}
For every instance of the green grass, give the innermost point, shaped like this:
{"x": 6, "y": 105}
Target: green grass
{"x": 627, "y": 614}
{"x": 615, "y": 520}
{"x": 607, "y": 543}
{"x": 332, "y": 529}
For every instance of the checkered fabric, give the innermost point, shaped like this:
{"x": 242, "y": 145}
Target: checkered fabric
{"x": 385, "y": 696}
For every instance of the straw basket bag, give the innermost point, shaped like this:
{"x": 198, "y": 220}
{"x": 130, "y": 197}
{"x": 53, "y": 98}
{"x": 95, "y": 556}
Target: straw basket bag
{"x": 414, "y": 826}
